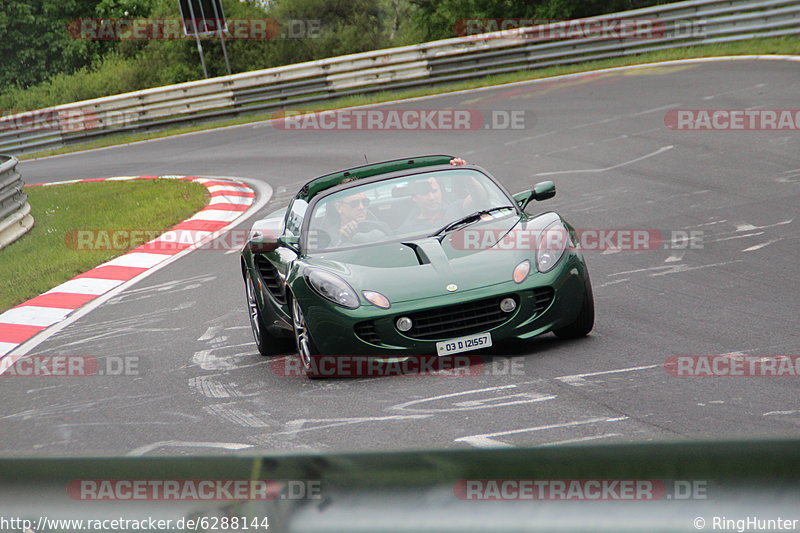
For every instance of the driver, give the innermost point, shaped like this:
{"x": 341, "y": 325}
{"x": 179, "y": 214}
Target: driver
{"x": 357, "y": 224}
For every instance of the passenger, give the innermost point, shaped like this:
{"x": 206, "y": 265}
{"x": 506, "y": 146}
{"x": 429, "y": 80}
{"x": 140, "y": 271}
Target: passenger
{"x": 430, "y": 212}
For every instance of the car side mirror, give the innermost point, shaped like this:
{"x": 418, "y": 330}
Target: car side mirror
{"x": 265, "y": 234}
{"x": 262, "y": 242}
{"x": 541, "y": 191}
{"x": 523, "y": 198}
{"x": 544, "y": 190}
{"x": 293, "y": 243}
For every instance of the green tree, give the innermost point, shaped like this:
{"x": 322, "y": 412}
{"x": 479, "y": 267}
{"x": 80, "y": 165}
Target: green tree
{"x": 335, "y": 27}
{"x": 439, "y": 19}
{"x": 35, "y": 41}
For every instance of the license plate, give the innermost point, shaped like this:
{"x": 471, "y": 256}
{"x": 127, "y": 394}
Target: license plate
{"x": 464, "y": 344}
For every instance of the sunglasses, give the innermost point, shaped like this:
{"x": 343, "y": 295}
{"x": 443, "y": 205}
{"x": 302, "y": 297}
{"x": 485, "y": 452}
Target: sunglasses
{"x": 358, "y": 202}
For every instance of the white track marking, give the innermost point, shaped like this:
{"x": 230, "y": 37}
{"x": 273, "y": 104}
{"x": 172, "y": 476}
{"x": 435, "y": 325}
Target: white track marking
{"x": 206, "y": 360}
{"x": 712, "y": 96}
{"x": 606, "y": 284}
{"x": 6, "y": 347}
{"x": 672, "y": 269}
{"x": 578, "y": 379}
{"x": 138, "y": 260}
{"x": 87, "y": 286}
{"x": 238, "y": 200}
{"x": 484, "y": 403}
{"x": 744, "y": 236}
{"x": 216, "y": 215}
{"x": 761, "y": 245}
{"x": 619, "y": 165}
{"x": 210, "y": 333}
{"x": 582, "y": 439}
{"x": 227, "y": 188}
{"x": 299, "y": 426}
{"x": 750, "y": 227}
{"x": 770, "y": 413}
{"x": 486, "y": 440}
{"x": 677, "y": 269}
{"x": 498, "y": 401}
{"x": 185, "y": 444}
{"x": 31, "y": 315}
{"x": 675, "y": 257}
{"x": 705, "y": 224}
{"x": 654, "y": 110}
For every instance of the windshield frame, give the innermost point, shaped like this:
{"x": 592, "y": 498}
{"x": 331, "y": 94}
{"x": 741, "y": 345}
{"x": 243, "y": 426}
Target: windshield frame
{"x": 311, "y": 208}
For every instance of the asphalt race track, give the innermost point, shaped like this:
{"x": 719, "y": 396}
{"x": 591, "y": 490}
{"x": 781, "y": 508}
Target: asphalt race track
{"x": 203, "y": 388}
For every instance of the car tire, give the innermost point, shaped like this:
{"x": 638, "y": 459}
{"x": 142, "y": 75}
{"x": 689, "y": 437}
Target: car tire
{"x": 306, "y": 349}
{"x": 267, "y": 344}
{"x": 585, "y": 321}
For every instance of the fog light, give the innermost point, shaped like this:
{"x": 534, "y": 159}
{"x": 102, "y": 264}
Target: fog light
{"x": 507, "y": 305}
{"x": 404, "y": 323}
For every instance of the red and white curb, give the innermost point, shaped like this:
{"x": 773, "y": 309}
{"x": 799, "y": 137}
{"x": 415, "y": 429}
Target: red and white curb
{"x": 230, "y": 199}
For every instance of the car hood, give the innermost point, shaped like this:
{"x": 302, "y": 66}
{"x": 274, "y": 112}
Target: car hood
{"x": 469, "y": 258}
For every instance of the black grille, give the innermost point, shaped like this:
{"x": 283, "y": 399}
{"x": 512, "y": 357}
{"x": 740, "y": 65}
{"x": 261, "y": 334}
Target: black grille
{"x": 460, "y": 319}
{"x": 366, "y": 331}
{"x": 543, "y": 297}
{"x": 271, "y": 279}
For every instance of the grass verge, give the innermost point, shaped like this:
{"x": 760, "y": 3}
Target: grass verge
{"x": 43, "y": 258}
{"x": 783, "y": 45}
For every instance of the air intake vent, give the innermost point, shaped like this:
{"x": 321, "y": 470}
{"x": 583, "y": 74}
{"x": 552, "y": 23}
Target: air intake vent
{"x": 460, "y": 319}
{"x": 270, "y": 277}
{"x": 366, "y": 332}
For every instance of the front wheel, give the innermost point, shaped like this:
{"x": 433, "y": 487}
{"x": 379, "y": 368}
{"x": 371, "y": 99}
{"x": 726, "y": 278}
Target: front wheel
{"x": 585, "y": 321}
{"x": 266, "y": 343}
{"x": 306, "y": 349}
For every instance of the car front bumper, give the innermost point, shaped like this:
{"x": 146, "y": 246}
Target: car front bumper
{"x": 333, "y": 328}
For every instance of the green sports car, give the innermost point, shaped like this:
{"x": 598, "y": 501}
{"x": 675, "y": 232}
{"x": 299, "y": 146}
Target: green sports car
{"x": 420, "y": 256}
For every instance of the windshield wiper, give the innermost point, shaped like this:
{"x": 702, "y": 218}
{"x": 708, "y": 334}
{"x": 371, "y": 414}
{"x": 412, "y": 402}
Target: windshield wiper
{"x": 469, "y": 219}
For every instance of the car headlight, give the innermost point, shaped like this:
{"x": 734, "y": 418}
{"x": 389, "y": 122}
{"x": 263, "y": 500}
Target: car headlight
{"x": 332, "y": 287}
{"x": 550, "y": 246}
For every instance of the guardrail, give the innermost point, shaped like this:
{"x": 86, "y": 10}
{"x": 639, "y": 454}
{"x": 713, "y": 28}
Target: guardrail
{"x": 680, "y": 24}
{"x": 676, "y": 484}
{"x": 15, "y": 217}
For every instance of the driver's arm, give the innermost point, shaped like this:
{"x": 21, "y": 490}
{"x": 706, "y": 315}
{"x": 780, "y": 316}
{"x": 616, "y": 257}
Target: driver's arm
{"x": 474, "y": 191}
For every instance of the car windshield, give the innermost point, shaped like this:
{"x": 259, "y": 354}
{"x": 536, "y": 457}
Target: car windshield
{"x": 404, "y": 207}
